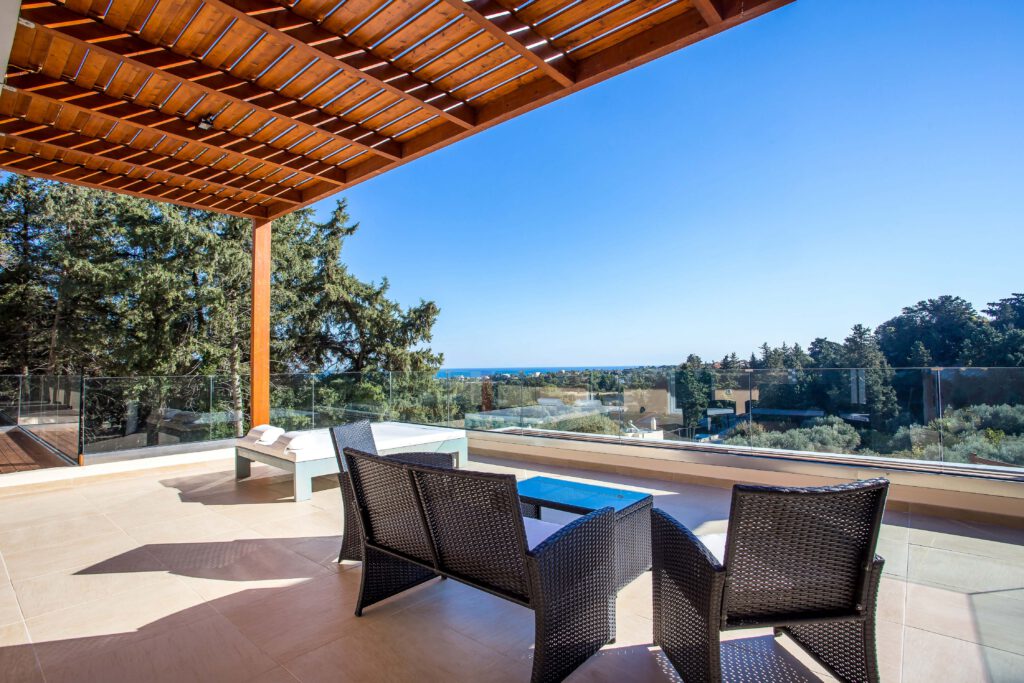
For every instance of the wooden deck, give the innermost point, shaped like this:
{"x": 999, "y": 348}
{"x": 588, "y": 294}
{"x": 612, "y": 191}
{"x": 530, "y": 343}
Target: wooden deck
{"x": 19, "y": 452}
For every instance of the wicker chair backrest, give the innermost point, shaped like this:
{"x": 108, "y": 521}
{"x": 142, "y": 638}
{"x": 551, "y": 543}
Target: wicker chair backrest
{"x": 357, "y": 435}
{"x": 476, "y": 524}
{"x": 796, "y": 553}
{"x": 388, "y": 505}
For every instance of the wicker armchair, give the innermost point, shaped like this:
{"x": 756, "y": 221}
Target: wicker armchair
{"x": 359, "y": 435}
{"x": 801, "y": 560}
{"x": 419, "y": 522}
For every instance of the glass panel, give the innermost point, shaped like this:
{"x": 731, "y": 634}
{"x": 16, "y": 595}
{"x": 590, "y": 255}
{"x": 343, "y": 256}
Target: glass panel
{"x": 872, "y": 412}
{"x": 343, "y": 397}
{"x": 489, "y": 403}
{"x": 982, "y": 416}
{"x": 125, "y": 413}
{"x": 10, "y": 399}
{"x": 292, "y": 401}
{"x": 49, "y": 407}
{"x": 419, "y": 397}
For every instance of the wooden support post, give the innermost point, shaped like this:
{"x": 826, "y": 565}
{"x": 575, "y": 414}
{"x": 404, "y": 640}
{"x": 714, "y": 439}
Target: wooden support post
{"x": 259, "y": 351}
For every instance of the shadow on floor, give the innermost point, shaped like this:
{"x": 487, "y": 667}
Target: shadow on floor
{"x": 255, "y": 559}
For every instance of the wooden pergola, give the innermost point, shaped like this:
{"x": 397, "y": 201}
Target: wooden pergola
{"x": 257, "y": 108}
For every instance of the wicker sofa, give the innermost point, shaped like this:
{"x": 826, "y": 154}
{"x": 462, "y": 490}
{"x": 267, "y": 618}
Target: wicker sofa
{"x": 420, "y": 522}
{"x": 801, "y": 560}
{"x": 359, "y": 435}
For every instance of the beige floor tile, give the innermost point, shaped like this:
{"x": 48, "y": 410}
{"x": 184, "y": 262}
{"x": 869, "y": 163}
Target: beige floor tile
{"x": 370, "y": 652}
{"x": 987, "y": 618}
{"x": 131, "y": 514}
{"x": 929, "y": 657}
{"x": 498, "y": 624}
{"x": 636, "y": 597}
{"x": 615, "y": 664}
{"x": 210, "y": 649}
{"x": 61, "y": 590}
{"x": 122, "y": 620}
{"x": 892, "y": 598}
{"x": 893, "y": 546}
{"x": 889, "y": 638}
{"x": 323, "y": 550}
{"x": 41, "y": 508}
{"x": 10, "y": 610}
{"x": 252, "y": 514}
{"x": 68, "y": 556}
{"x": 965, "y": 538}
{"x": 55, "y": 532}
{"x": 963, "y": 571}
{"x": 17, "y": 656}
{"x": 767, "y": 658}
{"x": 278, "y": 675}
{"x": 219, "y": 569}
{"x": 288, "y": 622}
{"x": 198, "y": 527}
{"x": 4, "y": 576}
{"x": 311, "y": 523}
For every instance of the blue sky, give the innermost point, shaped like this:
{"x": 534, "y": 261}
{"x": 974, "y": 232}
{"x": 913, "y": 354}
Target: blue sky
{"x": 821, "y": 166}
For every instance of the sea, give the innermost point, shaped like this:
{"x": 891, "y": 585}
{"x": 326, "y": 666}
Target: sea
{"x": 484, "y": 372}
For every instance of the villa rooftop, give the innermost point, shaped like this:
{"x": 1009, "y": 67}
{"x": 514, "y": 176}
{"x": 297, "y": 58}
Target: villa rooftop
{"x": 184, "y": 573}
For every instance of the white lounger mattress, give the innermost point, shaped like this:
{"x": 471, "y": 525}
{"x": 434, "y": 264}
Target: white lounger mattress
{"x": 316, "y": 444}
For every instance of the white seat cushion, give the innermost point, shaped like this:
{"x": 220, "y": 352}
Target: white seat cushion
{"x": 537, "y": 530}
{"x": 716, "y": 544}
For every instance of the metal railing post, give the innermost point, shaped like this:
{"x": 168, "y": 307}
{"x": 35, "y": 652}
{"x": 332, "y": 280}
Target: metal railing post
{"x": 81, "y": 419}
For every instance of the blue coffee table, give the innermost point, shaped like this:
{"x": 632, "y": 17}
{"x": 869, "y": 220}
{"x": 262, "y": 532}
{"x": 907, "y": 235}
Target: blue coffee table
{"x": 632, "y": 516}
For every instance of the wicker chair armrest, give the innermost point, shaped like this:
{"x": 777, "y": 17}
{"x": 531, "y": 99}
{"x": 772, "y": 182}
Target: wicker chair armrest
{"x": 572, "y": 593}
{"x": 689, "y": 552}
{"x": 429, "y": 458}
{"x": 581, "y": 552}
{"x": 688, "y": 585}
{"x": 596, "y": 528}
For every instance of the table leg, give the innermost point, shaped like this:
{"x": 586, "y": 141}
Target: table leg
{"x": 243, "y": 467}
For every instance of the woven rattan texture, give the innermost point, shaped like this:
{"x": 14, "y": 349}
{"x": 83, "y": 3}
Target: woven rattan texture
{"x": 474, "y": 519}
{"x": 391, "y": 515}
{"x": 799, "y": 552}
{"x": 358, "y": 435}
{"x": 475, "y": 534}
{"x": 574, "y": 594}
{"x": 802, "y": 561}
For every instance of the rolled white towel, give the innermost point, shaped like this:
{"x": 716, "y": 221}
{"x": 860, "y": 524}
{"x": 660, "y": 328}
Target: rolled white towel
{"x": 264, "y": 434}
{"x": 305, "y": 440}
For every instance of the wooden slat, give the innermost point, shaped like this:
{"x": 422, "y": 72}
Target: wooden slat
{"x": 98, "y": 180}
{"x": 157, "y": 90}
{"x": 114, "y": 167}
{"x": 310, "y": 53}
{"x": 93, "y": 30}
{"x": 709, "y": 10}
{"x": 503, "y": 25}
{"x": 252, "y": 155}
{"x": 298, "y": 20}
{"x": 195, "y": 160}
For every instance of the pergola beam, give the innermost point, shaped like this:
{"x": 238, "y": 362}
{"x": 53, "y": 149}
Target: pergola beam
{"x": 171, "y": 95}
{"x": 162, "y": 123}
{"x": 93, "y": 30}
{"x": 259, "y": 349}
{"x": 115, "y": 168}
{"x": 99, "y": 180}
{"x": 708, "y": 10}
{"x": 205, "y": 161}
{"x": 298, "y": 22}
{"x": 501, "y": 23}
